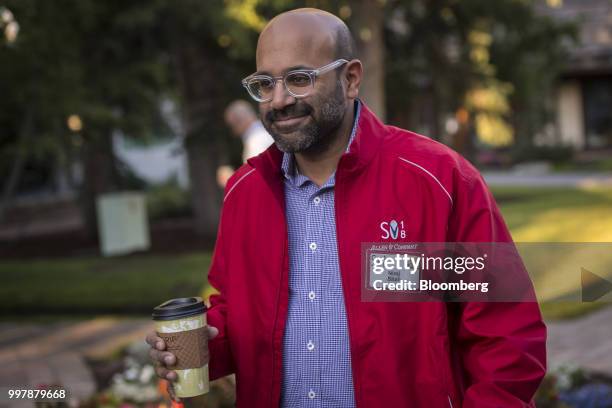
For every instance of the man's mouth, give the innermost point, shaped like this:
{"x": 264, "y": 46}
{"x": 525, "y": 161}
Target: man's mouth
{"x": 289, "y": 121}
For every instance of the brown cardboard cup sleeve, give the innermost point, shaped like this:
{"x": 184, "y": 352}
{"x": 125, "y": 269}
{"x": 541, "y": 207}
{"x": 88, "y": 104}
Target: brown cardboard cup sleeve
{"x": 187, "y": 346}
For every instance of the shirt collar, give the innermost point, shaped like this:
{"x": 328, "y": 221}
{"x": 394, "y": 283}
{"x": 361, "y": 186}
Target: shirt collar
{"x": 297, "y": 179}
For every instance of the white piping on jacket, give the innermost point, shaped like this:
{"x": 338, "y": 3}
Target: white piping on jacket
{"x": 235, "y": 184}
{"x": 432, "y": 176}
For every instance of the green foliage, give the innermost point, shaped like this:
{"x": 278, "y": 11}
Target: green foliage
{"x": 90, "y": 58}
{"x": 531, "y": 54}
{"x": 110, "y": 63}
{"x": 97, "y": 60}
{"x": 547, "y": 395}
{"x": 553, "y": 154}
{"x": 167, "y": 200}
{"x": 433, "y": 63}
{"x": 602, "y": 164}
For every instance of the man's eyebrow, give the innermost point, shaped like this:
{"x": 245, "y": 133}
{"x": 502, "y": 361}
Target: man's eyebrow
{"x": 293, "y": 68}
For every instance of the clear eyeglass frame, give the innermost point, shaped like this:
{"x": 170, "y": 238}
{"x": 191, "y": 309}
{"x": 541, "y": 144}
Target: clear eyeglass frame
{"x": 251, "y": 82}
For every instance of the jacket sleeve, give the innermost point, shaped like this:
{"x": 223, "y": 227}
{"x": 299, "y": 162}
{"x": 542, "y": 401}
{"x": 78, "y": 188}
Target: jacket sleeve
{"x": 221, "y": 360}
{"x": 501, "y": 345}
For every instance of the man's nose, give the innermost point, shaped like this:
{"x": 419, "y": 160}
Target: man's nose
{"x": 280, "y": 96}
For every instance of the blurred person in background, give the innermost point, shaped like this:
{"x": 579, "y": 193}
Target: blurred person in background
{"x": 288, "y": 319}
{"x": 241, "y": 118}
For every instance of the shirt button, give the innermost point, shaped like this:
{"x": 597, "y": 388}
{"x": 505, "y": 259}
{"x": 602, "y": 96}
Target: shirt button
{"x": 310, "y": 346}
{"x": 312, "y": 295}
{"x": 311, "y": 394}
{"x": 317, "y": 200}
{"x": 313, "y": 246}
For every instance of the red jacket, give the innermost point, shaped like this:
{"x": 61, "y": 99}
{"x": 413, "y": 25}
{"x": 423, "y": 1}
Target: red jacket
{"x": 403, "y": 354}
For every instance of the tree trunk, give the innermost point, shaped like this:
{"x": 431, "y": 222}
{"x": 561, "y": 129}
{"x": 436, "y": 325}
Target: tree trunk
{"x": 17, "y": 168}
{"x": 197, "y": 70}
{"x": 368, "y": 29}
{"x": 99, "y": 176}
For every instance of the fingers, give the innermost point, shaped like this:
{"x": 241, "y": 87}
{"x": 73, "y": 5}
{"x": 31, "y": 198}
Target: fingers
{"x": 155, "y": 341}
{"x": 212, "y": 332}
{"x": 163, "y": 372}
{"x": 164, "y": 359}
{"x": 161, "y": 358}
{"x": 157, "y": 352}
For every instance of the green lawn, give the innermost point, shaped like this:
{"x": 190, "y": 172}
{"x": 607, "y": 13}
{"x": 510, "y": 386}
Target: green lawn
{"x": 134, "y": 284}
{"x": 126, "y": 285}
{"x": 559, "y": 215}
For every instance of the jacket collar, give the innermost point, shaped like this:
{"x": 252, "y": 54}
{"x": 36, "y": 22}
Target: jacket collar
{"x": 363, "y": 148}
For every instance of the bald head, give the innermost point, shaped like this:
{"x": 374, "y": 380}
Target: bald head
{"x": 239, "y": 115}
{"x": 310, "y": 30}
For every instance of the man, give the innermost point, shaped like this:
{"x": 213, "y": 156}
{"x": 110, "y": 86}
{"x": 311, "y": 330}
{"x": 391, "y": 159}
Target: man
{"x": 288, "y": 319}
{"x": 242, "y": 120}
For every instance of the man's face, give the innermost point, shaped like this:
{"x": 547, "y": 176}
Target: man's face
{"x": 306, "y": 123}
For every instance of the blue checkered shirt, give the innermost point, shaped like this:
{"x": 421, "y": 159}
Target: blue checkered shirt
{"x": 316, "y": 351}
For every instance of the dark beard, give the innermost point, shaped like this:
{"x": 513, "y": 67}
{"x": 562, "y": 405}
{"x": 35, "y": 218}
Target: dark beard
{"x": 315, "y": 136}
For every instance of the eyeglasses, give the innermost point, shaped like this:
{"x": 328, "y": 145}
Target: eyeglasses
{"x": 298, "y": 83}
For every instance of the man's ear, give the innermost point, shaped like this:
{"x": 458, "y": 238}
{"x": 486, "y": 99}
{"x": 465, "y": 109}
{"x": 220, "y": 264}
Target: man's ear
{"x": 354, "y": 71}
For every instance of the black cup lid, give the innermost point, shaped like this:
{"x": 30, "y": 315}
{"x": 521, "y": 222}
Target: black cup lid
{"x": 179, "y": 308}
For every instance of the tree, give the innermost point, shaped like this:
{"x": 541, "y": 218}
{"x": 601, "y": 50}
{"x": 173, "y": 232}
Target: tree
{"x": 473, "y": 62}
{"x": 207, "y": 74}
{"x": 95, "y": 60}
{"x": 108, "y": 64}
{"x": 30, "y": 82}
{"x": 367, "y": 24}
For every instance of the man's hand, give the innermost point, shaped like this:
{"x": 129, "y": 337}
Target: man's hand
{"x": 162, "y": 359}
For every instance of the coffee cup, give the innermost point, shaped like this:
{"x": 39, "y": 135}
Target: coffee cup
{"x": 181, "y": 323}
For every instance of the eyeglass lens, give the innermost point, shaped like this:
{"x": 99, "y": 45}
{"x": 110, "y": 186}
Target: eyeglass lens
{"x": 297, "y": 83}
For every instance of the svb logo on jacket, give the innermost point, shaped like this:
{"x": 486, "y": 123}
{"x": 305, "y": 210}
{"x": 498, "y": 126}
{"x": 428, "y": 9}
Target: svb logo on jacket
{"x": 392, "y": 229}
